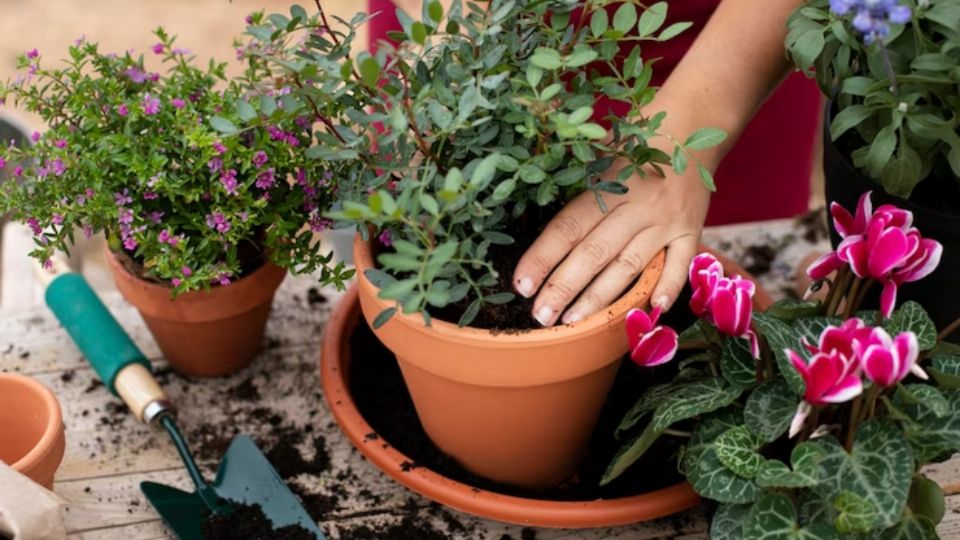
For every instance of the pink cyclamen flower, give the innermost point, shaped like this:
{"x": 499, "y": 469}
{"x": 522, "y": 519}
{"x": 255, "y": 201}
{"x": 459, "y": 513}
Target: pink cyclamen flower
{"x": 828, "y": 378}
{"x": 726, "y": 302}
{"x": 650, "y": 345}
{"x": 157, "y": 48}
{"x": 843, "y": 339}
{"x": 887, "y": 361}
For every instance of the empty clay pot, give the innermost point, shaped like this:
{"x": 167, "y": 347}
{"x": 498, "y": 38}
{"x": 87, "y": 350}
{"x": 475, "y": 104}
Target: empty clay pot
{"x": 204, "y": 333}
{"x": 31, "y": 428}
{"x": 517, "y": 408}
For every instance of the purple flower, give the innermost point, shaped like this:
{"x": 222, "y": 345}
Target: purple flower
{"x": 57, "y": 167}
{"x": 175, "y": 282}
{"x": 136, "y": 74}
{"x": 178, "y": 103}
{"x": 319, "y": 223}
{"x": 229, "y": 181}
{"x": 89, "y": 193}
{"x": 122, "y": 110}
{"x": 34, "y": 226}
{"x": 260, "y": 158}
{"x": 166, "y": 238}
{"x": 33, "y": 53}
{"x": 126, "y": 216}
{"x": 47, "y": 264}
{"x": 60, "y": 143}
{"x": 87, "y": 231}
{"x": 123, "y": 198}
{"x": 154, "y": 77}
{"x": 187, "y": 272}
{"x": 18, "y": 171}
{"x": 155, "y": 217}
{"x": 218, "y": 222}
{"x": 150, "y": 105}
{"x": 223, "y": 279}
{"x": 872, "y": 18}
{"x": 276, "y": 133}
{"x": 385, "y": 238}
{"x": 149, "y": 195}
{"x": 215, "y": 164}
{"x": 219, "y": 148}
{"x": 265, "y": 180}
{"x": 79, "y": 41}
{"x": 3, "y": 163}
{"x": 35, "y": 136}
{"x": 178, "y": 50}
{"x": 57, "y": 219}
{"x": 130, "y": 243}
{"x": 248, "y": 19}
{"x": 158, "y": 48}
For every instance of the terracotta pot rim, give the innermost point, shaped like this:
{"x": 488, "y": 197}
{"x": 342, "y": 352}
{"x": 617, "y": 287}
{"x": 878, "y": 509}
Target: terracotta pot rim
{"x": 51, "y": 431}
{"x": 463, "y": 497}
{"x": 155, "y": 287}
{"x": 636, "y": 296}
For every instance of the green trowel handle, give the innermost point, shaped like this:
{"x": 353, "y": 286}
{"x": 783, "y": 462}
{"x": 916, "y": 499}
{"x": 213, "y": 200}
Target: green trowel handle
{"x": 102, "y": 340}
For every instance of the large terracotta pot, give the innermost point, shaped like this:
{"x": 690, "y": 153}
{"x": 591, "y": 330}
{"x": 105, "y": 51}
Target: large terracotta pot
{"x": 516, "y": 408}
{"x": 31, "y": 428}
{"x": 204, "y": 333}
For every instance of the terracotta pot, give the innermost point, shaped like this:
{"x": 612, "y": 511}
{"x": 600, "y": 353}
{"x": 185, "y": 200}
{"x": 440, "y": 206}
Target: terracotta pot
{"x": 495, "y": 401}
{"x": 31, "y": 425}
{"x": 204, "y": 333}
{"x": 335, "y": 369}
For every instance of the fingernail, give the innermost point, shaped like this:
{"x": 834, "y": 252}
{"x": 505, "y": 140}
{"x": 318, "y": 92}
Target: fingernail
{"x": 661, "y": 301}
{"x": 525, "y": 287}
{"x": 544, "y": 316}
{"x": 571, "y": 317}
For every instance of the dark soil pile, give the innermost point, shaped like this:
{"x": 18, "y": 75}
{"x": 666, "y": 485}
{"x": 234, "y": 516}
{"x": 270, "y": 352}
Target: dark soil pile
{"x": 383, "y": 400}
{"x": 250, "y": 523}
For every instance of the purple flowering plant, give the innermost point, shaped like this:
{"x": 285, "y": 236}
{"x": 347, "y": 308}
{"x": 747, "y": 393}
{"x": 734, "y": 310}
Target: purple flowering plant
{"x": 156, "y": 162}
{"x": 892, "y": 70}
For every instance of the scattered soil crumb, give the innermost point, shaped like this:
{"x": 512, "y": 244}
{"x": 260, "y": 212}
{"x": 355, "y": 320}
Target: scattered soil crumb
{"x": 314, "y": 297}
{"x": 67, "y": 376}
{"x": 250, "y": 523}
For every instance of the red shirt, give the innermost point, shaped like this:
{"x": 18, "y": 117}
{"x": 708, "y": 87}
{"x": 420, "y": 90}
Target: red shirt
{"x": 767, "y": 173}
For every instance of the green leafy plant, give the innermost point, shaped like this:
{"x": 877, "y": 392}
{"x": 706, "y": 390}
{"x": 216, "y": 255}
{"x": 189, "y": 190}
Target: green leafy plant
{"x": 158, "y": 163}
{"x": 894, "y": 86}
{"x": 477, "y": 124}
{"x": 811, "y": 420}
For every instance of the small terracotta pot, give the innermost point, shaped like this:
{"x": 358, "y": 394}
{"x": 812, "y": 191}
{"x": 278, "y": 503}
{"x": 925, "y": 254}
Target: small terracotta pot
{"x": 496, "y": 401}
{"x": 31, "y": 428}
{"x": 204, "y": 333}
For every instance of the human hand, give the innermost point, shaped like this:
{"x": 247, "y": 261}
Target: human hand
{"x": 589, "y": 257}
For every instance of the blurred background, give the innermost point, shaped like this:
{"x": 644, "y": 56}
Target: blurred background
{"x": 205, "y": 27}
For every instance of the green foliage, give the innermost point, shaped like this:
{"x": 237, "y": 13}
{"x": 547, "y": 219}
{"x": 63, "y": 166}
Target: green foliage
{"x": 769, "y": 409}
{"x": 142, "y": 156}
{"x": 488, "y": 117}
{"x": 904, "y": 115}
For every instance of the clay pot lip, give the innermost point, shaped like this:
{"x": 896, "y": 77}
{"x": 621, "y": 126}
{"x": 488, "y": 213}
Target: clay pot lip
{"x": 636, "y": 296}
{"x": 217, "y": 303}
{"x": 463, "y": 497}
{"x": 53, "y": 431}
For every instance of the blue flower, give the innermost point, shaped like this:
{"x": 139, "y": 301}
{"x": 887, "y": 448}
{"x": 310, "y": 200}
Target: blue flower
{"x": 872, "y": 18}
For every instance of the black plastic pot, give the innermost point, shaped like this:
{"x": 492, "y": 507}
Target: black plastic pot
{"x": 938, "y": 293}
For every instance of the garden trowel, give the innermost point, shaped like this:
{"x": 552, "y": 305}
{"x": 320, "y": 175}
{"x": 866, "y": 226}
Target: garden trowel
{"x": 245, "y": 477}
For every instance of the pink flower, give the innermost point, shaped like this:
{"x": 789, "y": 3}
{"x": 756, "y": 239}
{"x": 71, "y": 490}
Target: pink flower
{"x": 35, "y": 136}
{"x": 219, "y": 148}
{"x": 33, "y": 53}
{"x": 3, "y": 163}
{"x": 178, "y": 103}
{"x": 726, "y": 302}
{"x": 158, "y": 48}
{"x": 828, "y": 378}
{"x": 215, "y": 164}
{"x": 229, "y": 180}
{"x": 57, "y": 219}
{"x": 34, "y": 226}
{"x": 650, "y": 345}
{"x": 136, "y": 74}
{"x": 887, "y": 361}
{"x": 218, "y": 222}
{"x": 385, "y": 238}
{"x": 260, "y": 158}
{"x": 187, "y": 272}
{"x": 181, "y": 51}
{"x": 266, "y": 179}
{"x": 60, "y": 143}
{"x": 150, "y": 104}
{"x": 842, "y": 339}
{"x": 881, "y": 245}
{"x": 18, "y": 171}
{"x": 122, "y": 110}
{"x": 175, "y": 282}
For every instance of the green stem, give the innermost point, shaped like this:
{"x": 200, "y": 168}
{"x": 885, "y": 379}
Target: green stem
{"x": 854, "y": 421}
{"x": 677, "y": 433}
{"x": 840, "y": 284}
{"x": 853, "y": 293}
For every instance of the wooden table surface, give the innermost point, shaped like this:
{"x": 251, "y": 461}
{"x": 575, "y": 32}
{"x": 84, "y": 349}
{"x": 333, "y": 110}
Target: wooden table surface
{"x": 279, "y": 403}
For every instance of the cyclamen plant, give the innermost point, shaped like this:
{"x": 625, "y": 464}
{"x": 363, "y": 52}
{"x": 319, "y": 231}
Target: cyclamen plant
{"x": 813, "y": 419}
{"x": 156, "y": 163}
{"x": 892, "y": 69}
{"x": 476, "y": 118}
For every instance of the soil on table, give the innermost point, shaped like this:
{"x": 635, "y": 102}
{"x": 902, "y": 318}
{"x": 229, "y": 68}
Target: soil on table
{"x": 250, "y": 523}
{"x": 382, "y": 398}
